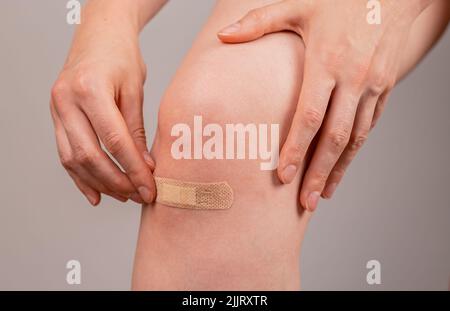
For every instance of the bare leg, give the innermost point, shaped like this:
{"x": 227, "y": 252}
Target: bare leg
{"x": 256, "y": 243}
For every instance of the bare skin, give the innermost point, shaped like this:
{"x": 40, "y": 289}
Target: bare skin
{"x": 351, "y": 66}
{"x": 98, "y": 95}
{"x": 98, "y": 98}
{"x": 256, "y": 244}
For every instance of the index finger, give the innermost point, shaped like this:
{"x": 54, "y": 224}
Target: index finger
{"x": 112, "y": 130}
{"x": 312, "y": 105}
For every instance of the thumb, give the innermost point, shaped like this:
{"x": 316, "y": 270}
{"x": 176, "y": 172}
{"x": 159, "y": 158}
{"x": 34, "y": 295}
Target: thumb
{"x": 256, "y": 23}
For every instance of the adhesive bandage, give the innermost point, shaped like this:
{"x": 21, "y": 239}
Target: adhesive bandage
{"x": 193, "y": 195}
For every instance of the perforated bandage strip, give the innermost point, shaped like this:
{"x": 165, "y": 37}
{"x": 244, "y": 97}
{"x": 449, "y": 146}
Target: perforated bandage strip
{"x": 193, "y": 195}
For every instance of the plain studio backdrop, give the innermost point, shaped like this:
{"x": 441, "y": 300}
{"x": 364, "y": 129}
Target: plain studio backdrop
{"x": 393, "y": 205}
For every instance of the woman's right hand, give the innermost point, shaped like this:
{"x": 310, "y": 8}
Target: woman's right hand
{"x": 98, "y": 98}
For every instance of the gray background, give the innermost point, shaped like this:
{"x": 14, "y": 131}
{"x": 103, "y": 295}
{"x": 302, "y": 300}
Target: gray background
{"x": 393, "y": 205}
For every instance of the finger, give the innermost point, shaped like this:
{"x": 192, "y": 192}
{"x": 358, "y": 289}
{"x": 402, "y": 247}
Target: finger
{"x": 90, "y": 193}
{"x": 258, "y": 22}
{"x": 131, "y": 106}
{"x": 89, "y": 179}
{"x": 149, "y": 160}
{"x": 87, "y": 152}
{"x": 361, "y": 128}
{"x": 109, "y": 124}
{"x": 379, "y": 108}
{"x": 314, "y": 97}
{"x": 64, "y": 152}
{"x": 84, "y": 181}
{"x": 331, "y": 144}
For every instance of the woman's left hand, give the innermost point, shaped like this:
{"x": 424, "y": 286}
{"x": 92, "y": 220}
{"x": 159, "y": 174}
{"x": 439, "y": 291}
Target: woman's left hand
{"x": 351, "y": 64}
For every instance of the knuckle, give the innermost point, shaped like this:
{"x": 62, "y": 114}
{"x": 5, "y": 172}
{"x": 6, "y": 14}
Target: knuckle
{"x": 59, "y": 91}
{"x": 391, "y": 81}
{"x": 139, "y": 134}
{"x": 381, "y": 102}
{"x": 319, "y": 177}
{"x": 338, "y": 171}
{"x": 84, "y": 157}
{"x": 295, "y": 153}
{"x": 113, "y": 143}
{"x": 333, "y": 58}
{"x": 84, "y": 84}
{"x": 378, "y": 82}
{"x": 133, "y": 94}
{"x": 338, "y": 139}
{"x": 116, "y": 182}
{"x": 312, "y": 118}
{"x": 66, "y": 161}
{"x": 257, "y": 14}
{"x": 357, "y": 141}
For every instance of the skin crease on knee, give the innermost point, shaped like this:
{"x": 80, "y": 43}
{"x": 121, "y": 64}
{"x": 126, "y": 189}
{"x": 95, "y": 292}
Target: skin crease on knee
{"x": 256, "y": 243}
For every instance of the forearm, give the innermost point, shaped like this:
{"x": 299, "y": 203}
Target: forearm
{"x": 425, "y": 32}
{"x": 114, "y": 22}
{"x": 134, "y": 13}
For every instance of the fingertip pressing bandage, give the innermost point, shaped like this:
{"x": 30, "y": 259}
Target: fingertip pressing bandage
{"x": 193, "y": 195}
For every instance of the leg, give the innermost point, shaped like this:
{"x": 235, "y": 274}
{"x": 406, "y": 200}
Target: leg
{"x": 256, "y": 243}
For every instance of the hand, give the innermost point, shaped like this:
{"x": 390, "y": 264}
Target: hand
{"x": 98, "y": 98}
{"x": 350, "y": 68}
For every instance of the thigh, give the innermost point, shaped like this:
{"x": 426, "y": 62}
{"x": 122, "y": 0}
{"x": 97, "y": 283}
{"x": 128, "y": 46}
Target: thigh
{"x": 256, "y": 243}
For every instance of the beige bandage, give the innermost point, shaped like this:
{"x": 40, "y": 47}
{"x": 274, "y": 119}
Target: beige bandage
{"x": 193, "y": 195}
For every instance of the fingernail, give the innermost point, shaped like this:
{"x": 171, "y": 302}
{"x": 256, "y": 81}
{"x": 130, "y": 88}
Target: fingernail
{"x": 329, "y": 190}
{"x": 313, "y": 199}
{"x": 136, "y": 197}
{"x": 145, "y": 194}
{"x": 230, "y": 29}
{"x": 92, "y": 199}
{"x": 289, "y": 174}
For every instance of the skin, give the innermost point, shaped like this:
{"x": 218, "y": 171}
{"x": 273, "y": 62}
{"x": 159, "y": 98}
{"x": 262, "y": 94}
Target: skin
{"x": 255, "y": 244}
{"x": 240, "y": 248}
{"x": 99, "y": 94}
{"x": 99, "y": 91}
{"x": 350, "y": 68}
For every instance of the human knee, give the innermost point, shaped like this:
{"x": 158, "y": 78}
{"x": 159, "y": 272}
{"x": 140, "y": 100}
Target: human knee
{"x": 232, "y": 90}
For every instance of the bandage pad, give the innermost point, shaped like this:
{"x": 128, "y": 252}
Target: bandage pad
{"x": 193, "y": 195}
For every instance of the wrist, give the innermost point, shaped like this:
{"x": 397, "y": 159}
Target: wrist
{"x": 416, "y": 7}
{"x": 134, "y": 14}
{"x": 115, "y": 15}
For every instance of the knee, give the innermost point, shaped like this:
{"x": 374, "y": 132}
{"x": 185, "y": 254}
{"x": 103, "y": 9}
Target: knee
{"x": 257, "y": 83}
